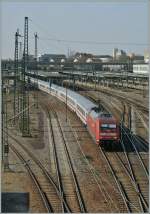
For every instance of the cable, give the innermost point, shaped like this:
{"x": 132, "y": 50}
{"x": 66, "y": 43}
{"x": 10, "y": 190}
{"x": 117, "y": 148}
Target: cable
{"x": 95, "y": 42}
{"x": 86, "y": 42}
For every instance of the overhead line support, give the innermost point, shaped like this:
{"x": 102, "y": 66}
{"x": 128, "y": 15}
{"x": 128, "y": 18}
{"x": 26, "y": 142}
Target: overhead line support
{"x": 25, "y": 123}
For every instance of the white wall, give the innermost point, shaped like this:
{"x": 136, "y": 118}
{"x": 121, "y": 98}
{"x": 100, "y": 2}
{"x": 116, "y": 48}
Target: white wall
{"x": 141, "y": 68}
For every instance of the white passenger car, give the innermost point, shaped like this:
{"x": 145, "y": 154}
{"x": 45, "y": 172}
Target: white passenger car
{"x": 75, "y": 101}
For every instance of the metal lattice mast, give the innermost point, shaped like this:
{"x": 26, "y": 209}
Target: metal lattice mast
{"x": 20, "y": 50}
{"x": 5, "y": 145}
{"x": 25, "y": 126}
{"x": 36, "y": 74}
{"x": 16, "y": 80}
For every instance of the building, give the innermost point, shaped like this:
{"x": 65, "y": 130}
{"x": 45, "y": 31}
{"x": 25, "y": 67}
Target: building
{"x": 121, "y": 56}
{"x": 115, "y": 50}
{"x": 85, "y": 62}
{"x": 141, "y": 68}
{"x": 103, "y": 58}
{"x": 146, "y": 57}
{"x": 136, "y": 58}
{"x": 51, "y": 58}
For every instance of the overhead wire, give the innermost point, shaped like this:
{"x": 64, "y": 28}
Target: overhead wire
{"x": 96, "y": 42}
{"x": 47, "y": 33}
{"x": 58, "y": 40}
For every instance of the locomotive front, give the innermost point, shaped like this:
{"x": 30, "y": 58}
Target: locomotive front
{"x": 108, "y": 129}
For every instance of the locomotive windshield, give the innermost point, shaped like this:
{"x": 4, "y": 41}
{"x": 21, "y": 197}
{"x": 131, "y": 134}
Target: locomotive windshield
{"x": 108, "y": 126}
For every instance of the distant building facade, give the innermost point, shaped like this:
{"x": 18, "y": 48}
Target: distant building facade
{"x": 119, "y": 55}
{"x": 141, "y": 68}
{"x": 51, "y": 58}
{"x": 146, "y": 57}
{"x": 104, "y": 58}
{"x": 85, "y": 61}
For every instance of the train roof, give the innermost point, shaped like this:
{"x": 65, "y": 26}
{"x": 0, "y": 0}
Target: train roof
{"x": 82, "y": 101}
{"x": 101, "y": 114}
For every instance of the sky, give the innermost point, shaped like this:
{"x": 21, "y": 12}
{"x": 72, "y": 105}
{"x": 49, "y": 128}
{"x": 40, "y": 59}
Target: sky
{"x": 101, "y": 26}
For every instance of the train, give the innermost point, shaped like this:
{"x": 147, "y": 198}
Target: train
{"x": 102, "y": 125}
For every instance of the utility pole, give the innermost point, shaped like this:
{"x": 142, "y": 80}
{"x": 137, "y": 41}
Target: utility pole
{"x": 25, "y": 126}
{"x": 36, "y": 74}
{"x": 16, "y": 74}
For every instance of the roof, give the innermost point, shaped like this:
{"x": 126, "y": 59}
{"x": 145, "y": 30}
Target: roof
{"x": 102, "y": 115}
{"x": 86, "y": 104}
{"x": 102, "y": 56}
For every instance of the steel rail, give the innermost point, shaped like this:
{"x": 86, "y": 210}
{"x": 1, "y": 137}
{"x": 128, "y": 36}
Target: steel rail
{"x": 142, "y": 142}
{"x": 130, "y": 138}
{"x": 60, "y": 185}
{"x": 120, "y": 188}
{"x": 142, "y": 119}
{"x": 93, "y": 174}
{"x": 46, "y": 173}
{"x": 77, "y": 188}
{"x": 78, "y": 191}
{"x": 91, "y": 168}
{"x": 128, "y": 100}
{"x": 142, "y": 200}
{"x": 35, "y": 180}
{"x": 132, "y": 177}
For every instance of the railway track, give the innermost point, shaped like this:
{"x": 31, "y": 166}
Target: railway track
{"x": 66, "y": 177}
{"x": 139, "y": 122}
{"x": 134, "y": 179}
{"x": 73, "y": 130}
{"x": 133, "y": 142}
{"x": 130, "y": 101}
{"x": 43, "y": 196}
{"x": 135, "y": 197}
{"x": 140, "y": 170}
{"x": 132, "y": 197}
{"x": 47, "y": 184}
{"x": 69, "y": 132}
{"x": 132, "y": 205}
{"x": 126, "y": 205}
{"x": 129, "y": 189}
{"x": 127, "y": 161}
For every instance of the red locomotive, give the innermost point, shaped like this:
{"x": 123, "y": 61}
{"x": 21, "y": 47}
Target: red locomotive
{"x": 103, "y": 127}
